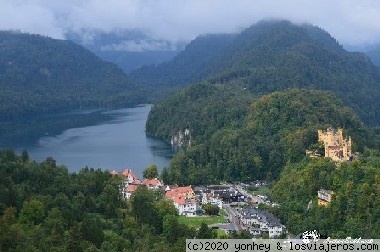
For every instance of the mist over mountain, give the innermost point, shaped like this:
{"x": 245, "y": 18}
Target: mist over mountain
{"x": 261, "y": 99}
{"x": 129, "y": 49}
{"x": 371, "y": 50}
{"x": 40, "y": 74}
{"x": 196, "y": 62}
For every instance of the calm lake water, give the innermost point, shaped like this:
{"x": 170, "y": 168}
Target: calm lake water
{"x": 111, "y": 139}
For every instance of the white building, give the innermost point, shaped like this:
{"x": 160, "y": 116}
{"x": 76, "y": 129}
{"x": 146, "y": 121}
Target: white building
{"x": 259, "y": 222}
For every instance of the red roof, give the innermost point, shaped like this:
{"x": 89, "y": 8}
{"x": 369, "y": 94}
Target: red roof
{"x": 131, "y": 188}
{"x": 179, "y": 191}
{"x": 129, "y": 172}
{"x": 179, "y": 200}
{"x": 184, "y": 189}
{"x": 152, "y": 182}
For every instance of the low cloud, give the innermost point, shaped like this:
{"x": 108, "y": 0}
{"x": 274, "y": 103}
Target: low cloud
{"x": 140, "y": 46}
{"x": 350, "y": 21}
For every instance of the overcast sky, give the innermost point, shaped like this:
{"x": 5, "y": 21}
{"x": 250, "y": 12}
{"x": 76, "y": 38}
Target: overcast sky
{"x": 350, "y": 21}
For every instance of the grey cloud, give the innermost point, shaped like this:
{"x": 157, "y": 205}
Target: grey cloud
{"x": 139, "y": 46}
{"x": 350, "y": 21}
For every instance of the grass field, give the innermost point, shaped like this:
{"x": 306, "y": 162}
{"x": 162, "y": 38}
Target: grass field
{"x": 197, "y": 221}
{"x": 222, "y": 212}
{"x": 221, "y": 233}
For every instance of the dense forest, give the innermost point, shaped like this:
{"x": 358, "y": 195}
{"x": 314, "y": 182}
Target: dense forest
{"x": 241, "y": 141}
{"x": 271, "y": 56}
{"x": 39, "y": 74}
{"x": 354, "y": 210}
{"x": 194, "y": 63}
{"x": 258, "y": 110}
{"x": 241, "y": 130}
{"x": 45, "y": 208}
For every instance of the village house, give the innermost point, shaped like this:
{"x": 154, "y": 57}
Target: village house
{"x": 131, "y": 177}
{"x": 211, "y": 198}
{"x": 186, "y": 206}
{"x": 324, "y": 197}
{"x": 128, "y": 191}
{"x": 153, "y": 184}
{"x": 210, "y": 195}
{"x": 260, "y": 222}
{"x": 129, "y": 184}
{"x": 184, "y": 200}
{"x": 185, "y": 191}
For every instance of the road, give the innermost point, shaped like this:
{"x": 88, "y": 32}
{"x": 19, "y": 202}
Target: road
{"x": 233, "y": 216}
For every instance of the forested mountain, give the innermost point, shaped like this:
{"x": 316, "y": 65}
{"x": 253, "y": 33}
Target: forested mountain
{"x": 235, "y": 138}
{"x": 40, "y": 74}
{"x": 231, "y": 141}
{"x": 238, "y": 137}
{"x": 271, "y": 56}
{"x": 196, "y": 62}
{"x": 354, "y": 210}
{"x": 258, "y": 110}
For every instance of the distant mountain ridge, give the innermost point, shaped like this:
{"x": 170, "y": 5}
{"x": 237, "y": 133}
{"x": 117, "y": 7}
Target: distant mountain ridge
{"x": 129, "y": 49}
{"x": 193, "y": 64}
{"x": 269, "y": 91}
{"x": 271, "y": 56}
{"x": 40, "y": 74}
{"x": 371, "y": 50}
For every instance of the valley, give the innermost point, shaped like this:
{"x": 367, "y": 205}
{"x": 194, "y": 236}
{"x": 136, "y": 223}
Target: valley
{"x": 238, "y": 109}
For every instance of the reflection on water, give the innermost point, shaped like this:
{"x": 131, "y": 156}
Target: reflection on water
{"x": 113, "y": 139}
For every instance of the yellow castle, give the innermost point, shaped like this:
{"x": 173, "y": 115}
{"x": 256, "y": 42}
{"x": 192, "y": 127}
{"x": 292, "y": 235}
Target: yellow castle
{"x": 336, "y": 147}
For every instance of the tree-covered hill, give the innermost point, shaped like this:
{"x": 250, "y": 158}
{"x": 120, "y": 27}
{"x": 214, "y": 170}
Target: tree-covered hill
{"x": 195, "y": 63}
{"x": 271, "y": 56}
{"x": 238, "y": 138}
{"x": 45, "y": 208}
{"x": 354, "y": 210}
{"x": 40, "y": 74}
{"x": 201, "y": 108}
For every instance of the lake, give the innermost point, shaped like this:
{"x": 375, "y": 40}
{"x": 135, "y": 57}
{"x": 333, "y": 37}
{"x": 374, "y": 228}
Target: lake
{"x": 107, "y": 139}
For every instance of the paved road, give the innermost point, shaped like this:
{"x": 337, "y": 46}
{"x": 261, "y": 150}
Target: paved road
{"x": 233, "y": 216}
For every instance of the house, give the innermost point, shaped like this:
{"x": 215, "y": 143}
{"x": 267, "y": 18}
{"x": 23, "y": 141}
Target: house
{"x": 131, "y": 177}
{"x": 184, "y": 200}
{"x": 260, "y": 222}
{"x": 186, "y": 206}
{"x": 185, "y": 191}
{"x": 153, "y": 183}
{"x": 130, "y": 183}
{"x": 324, "y": 197}
{"x": 128, "y": 191}
{"x": 229, "y": 197}
{"x": 209, "y": 198}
